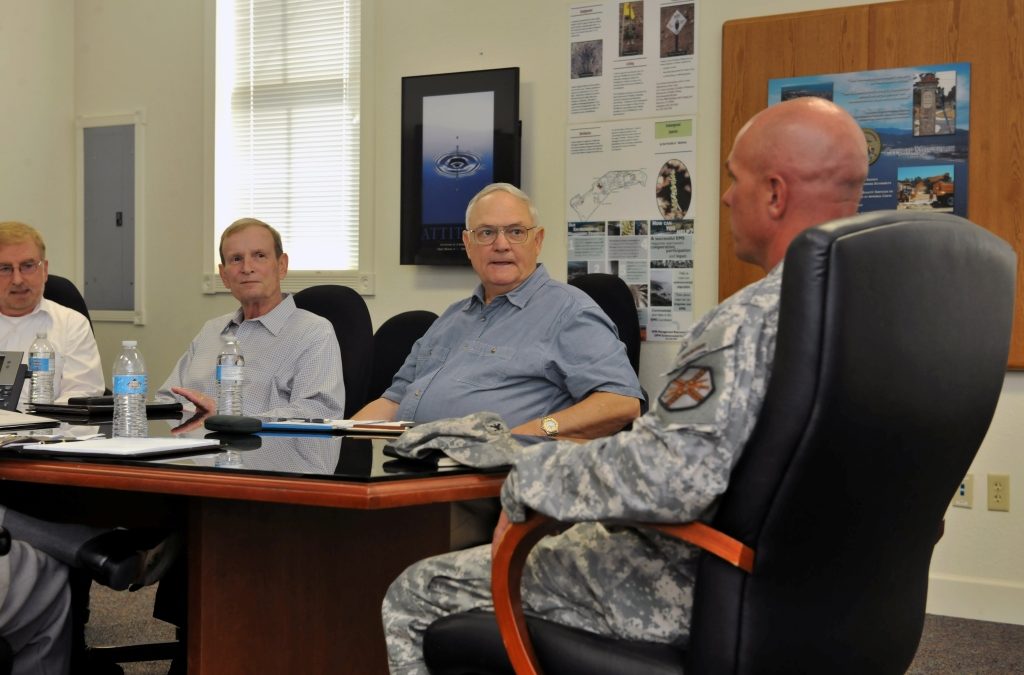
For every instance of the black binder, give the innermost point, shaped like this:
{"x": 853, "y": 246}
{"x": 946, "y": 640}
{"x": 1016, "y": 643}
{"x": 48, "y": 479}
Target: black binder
{"x": 99, "y": 408}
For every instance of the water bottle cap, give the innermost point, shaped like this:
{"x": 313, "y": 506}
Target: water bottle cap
{"x": 129, "y": 343}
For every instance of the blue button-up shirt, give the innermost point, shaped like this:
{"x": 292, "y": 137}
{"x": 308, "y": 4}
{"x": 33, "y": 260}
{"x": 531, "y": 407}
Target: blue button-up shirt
{"x": 531, "y": 352}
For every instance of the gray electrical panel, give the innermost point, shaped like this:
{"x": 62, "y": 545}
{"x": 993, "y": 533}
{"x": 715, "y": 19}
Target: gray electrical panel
{"x": 109, "y": 196}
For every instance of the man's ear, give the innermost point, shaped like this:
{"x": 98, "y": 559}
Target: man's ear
{"x": 777, "y": 197}
{"x": 282, "y": 266}
{"x": 465, "y": 241}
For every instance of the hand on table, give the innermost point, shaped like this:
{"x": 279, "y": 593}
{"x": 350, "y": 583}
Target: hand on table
{"x": 201, "y": 401}
{"x": 191, "y": 423}
{"x": 205, "y": 406}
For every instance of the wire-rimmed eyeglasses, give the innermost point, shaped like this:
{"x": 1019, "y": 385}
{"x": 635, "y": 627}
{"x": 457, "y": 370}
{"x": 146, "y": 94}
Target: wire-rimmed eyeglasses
{"x": 514, "y": 234}
{"x": 27, "y": 268}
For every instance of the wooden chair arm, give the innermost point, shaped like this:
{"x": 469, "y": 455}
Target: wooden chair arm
{"x": 506, "y": 574}
{"x": 520, "y": 538}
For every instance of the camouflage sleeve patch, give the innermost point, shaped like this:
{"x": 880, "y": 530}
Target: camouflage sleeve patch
{"x": 695, "y": 385}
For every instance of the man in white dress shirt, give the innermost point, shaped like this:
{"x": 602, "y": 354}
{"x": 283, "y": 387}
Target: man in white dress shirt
{"x": 24, "y": 313}
{"x": 34, "y": 594}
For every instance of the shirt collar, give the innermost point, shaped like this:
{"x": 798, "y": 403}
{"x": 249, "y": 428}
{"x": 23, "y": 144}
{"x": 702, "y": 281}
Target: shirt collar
{"x": 274, "y": 320}
{"x": 40, "y": 307}
{"x": 518, "y": 296}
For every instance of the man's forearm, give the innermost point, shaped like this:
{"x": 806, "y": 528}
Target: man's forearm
{"x": 600, "y": 414}
{"x": 381, "y": 409}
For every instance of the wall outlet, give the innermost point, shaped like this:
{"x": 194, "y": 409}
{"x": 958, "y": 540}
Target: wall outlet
{"x": 964, "y": 497}
{"x": 998, "y": 492}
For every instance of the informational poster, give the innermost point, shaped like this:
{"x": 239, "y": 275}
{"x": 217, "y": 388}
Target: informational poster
{"x": 630, "y": 60}
{"x": 629, "y": 213}
{"x": 916, "y": 122}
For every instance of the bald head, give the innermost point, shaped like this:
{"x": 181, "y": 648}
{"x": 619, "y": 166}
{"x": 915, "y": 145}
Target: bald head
{"x": 794, "y": 165}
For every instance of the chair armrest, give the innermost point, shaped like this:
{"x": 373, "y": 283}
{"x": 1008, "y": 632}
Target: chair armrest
{"x": 520, "y": 538}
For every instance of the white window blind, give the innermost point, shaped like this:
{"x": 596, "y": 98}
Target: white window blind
{"x": 287, "y": 125}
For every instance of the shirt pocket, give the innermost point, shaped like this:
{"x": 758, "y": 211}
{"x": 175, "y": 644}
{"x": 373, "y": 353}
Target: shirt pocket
{"x": 429, "y": 360}
{"x": 484, "y": 365}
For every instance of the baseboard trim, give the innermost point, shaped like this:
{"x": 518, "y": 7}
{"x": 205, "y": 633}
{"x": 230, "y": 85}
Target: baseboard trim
{"x": 976, "y": 598}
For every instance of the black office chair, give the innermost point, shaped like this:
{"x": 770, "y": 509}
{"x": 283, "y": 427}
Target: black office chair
{"x": 347, "y": 311}
{"x": 63, "y": 292}
{"x": 612, "y": 295}
{"x": 391, "y": 345}
{"x": 894, "y": 332}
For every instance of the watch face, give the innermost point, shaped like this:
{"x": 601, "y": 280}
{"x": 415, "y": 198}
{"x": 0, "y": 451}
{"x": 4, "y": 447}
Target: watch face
{"x": 549, "y": 426}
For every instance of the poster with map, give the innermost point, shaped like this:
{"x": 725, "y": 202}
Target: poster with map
{"x": 630, "y": 213}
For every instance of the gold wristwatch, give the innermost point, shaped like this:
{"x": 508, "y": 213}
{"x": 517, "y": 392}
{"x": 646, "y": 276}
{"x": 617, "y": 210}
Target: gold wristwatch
{"x": 550, "y": 426}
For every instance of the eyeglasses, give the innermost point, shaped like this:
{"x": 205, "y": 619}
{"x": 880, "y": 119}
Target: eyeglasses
{"x": 515, "y": 234}
{"x": 27, "y": 268}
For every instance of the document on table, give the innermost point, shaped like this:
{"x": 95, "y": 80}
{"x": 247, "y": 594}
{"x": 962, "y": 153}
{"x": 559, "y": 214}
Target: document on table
{"x": 120, "y": 447}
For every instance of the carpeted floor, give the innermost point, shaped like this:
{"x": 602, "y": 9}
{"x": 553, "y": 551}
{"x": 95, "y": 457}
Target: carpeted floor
{"x": 948, "y": 646}
{"x": 960, "y": 646}
{"x": 120, "y": 618}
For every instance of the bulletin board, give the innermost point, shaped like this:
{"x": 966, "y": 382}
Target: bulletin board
{"x": 985, "y": 33}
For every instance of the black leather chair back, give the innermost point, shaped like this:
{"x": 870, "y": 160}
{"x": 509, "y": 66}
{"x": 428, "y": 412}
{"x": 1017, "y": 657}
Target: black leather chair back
{"x": 391, "y": 345}
{"x": 347, "y": 311}
{"x": 63, "y": 292}
{"x": 612, "y": 295}
{"x": 893, "y": 341}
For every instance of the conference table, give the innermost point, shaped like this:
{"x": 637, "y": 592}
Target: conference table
{"x": 292, "y": 539}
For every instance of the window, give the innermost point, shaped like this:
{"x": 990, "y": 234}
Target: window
{"x": 287, "y": 127}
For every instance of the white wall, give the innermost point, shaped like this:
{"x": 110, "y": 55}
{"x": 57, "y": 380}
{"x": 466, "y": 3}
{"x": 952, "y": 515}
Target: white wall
{"x": 36, "y": 139}
{"x": 149, "y": 54}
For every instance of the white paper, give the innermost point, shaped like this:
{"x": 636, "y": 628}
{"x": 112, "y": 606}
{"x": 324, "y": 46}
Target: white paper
{"x": 122, "y": 447}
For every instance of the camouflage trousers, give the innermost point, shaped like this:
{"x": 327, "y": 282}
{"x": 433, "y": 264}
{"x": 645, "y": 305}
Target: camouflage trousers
{"x": 617, "y": 583}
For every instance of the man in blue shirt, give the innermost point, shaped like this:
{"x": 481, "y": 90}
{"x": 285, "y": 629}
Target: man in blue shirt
{"x": 538, "y": 352}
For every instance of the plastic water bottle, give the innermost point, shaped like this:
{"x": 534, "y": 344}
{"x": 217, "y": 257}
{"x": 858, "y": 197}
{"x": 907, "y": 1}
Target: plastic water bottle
{"x": 130, "y": 388}
{"x": 229, "y": 377}
{"x": 42, "y": 358}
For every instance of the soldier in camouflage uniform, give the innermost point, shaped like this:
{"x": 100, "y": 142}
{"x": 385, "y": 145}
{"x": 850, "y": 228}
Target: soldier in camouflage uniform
{"x": 794, "y": 165}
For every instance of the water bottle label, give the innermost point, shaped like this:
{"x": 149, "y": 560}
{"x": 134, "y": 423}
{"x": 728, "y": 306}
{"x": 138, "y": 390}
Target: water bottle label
{"x": 38, "y": 363}
{"x": 229, "y": 373}
{"x": 131, "y": 384}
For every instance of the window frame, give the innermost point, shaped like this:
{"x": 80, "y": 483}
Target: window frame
{"x": 362, "y": 280}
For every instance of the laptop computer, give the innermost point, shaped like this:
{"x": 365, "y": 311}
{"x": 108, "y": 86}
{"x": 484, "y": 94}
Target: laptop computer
{"x": 12, "y": 379}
